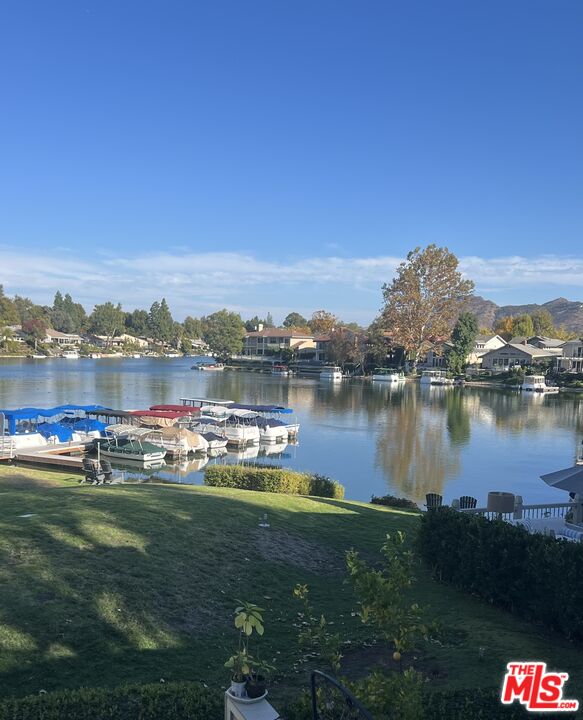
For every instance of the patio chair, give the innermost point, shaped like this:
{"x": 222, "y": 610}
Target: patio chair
{"x": 106, "y": 471}
{"x": 467, "y": 502}
{"x": 93, "y": 473}
{"x": 433, "y": 500}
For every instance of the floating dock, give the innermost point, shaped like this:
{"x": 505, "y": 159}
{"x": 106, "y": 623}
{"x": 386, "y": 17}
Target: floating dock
{"x": 65, "y": 456}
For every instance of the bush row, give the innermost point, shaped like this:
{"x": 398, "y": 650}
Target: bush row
{"x": 470, "y": 704}
{"x": 534, "y": 576}
{"x": 393, "y": 501}
{"x": 170, "y": 701}
{"x": 275, "y": 480}
{"x": 474, "y": 704}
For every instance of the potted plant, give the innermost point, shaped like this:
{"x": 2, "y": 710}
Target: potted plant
{"x": 240, "y": 666}
{"x": 255, "y": 685}
{"x": 248, "y": 619}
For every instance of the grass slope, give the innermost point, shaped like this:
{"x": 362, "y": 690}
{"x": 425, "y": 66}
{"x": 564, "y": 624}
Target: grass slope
{"x": 136, "y": 583}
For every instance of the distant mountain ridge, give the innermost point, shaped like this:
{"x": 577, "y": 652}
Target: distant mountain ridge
{"x": 568, "y": 313}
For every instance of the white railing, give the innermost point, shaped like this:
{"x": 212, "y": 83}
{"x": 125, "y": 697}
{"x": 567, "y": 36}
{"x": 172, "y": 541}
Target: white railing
{"x": 6, "y": 448}
{"x": 521, "y": 512}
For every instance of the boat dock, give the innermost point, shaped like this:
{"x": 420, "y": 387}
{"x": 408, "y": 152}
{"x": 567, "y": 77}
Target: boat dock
{"x": 66, "y": 456}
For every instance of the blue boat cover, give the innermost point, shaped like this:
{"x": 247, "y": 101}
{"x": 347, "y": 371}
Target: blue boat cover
{"x": 34, "y": 413}
{"x": 63, "y": 432}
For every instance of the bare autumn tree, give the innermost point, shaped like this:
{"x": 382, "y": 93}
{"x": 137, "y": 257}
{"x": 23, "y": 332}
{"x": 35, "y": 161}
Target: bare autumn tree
{"x": 423, "y": 301}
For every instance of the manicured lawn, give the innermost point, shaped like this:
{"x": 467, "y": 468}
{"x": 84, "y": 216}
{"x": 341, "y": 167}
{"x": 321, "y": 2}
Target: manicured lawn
{"x": 104, "y": 585}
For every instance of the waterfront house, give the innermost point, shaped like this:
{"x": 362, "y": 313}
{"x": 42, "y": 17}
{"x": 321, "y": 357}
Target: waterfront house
{"x": 271, "y": 341}
{"x": 483, "y": 344}
{"x": 571, "y": 359}
{"x": 539, "y": 341}
{"x": 13, "y": 333}
{"x": 119, "y": 341}
{"x": 517, "y": 354}
{"x": 55, "y": 337}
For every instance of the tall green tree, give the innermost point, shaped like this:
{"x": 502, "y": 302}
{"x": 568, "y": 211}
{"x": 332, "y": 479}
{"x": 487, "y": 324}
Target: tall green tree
{"x": 464, "y": 340}
{"x": 423, "y": 299}
{"x": 107, "y": 319}
{"x": 192, "y": 328}
{"x": 268, "y": 322}
{"x": 161, "y": 322}
{"x": 8, "y": 312}
{"x": 136, "y": 323}
{"x": 295, "y": 320}
{"x": 223, "y": 333}
{"x": 543, "y": 323}
{"x": 523, "y": 326}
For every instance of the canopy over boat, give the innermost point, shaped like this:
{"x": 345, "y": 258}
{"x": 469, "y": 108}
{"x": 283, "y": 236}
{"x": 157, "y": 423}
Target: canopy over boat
{"x": 188, "y": 439}
{"x": 158, "y": 413}
{"x": 36, "y": 415}
{"x": 262, "y": 408}
{"x": 177, "y": 408}
{"x": 158, "y": 418}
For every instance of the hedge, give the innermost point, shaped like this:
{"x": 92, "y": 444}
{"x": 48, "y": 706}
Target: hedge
{"x": 474, "y": 704}
{"x": 169, "y": 701}
{"x": 534, "y": 576}
{"x": 395, "y": 502}
{"x": 467, "y": 704}
{"x": 275, "y": 480}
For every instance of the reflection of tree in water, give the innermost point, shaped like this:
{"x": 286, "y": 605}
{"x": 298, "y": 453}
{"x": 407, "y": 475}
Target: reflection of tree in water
{"x": 413, "y": 447}
{"x": 458, "y": 418}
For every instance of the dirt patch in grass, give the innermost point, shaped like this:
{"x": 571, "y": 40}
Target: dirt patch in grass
{"x": 282, "y": 547}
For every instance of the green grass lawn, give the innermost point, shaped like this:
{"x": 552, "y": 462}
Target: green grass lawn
{"x": 106, "y": 585}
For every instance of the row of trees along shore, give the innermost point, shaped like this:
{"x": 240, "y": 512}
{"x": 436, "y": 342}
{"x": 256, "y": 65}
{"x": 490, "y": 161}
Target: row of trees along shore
{"x": 422, "y": 306}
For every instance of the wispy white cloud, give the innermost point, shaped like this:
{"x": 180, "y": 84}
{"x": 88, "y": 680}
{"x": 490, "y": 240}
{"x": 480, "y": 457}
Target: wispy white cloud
{"x": 202, "y": 282}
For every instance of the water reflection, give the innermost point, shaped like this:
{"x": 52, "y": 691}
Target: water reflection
{"x": 374, "y": 438}
{"x": 414, "y": 447}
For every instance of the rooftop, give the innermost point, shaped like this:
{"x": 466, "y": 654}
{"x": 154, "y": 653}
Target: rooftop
{"x": 279, "y": 333}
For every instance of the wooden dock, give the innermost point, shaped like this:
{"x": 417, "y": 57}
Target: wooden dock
{"x": 69, "y": 456}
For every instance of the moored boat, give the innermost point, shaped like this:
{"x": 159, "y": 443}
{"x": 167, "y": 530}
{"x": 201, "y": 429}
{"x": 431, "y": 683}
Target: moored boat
{"x": 537, "y": 384}
{"x": 435, "y": 377}
{"x": 281, "y": 370}
{"x": 125, "y": 442}
{"x": 70, "y": 355}
{"x": 331, "y": 372}
{"x": 388, "y": 375}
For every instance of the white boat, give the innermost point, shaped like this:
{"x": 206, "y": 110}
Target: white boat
{"x": 170, "y": 355}
{"x": 435, "y": 377}
{"x": 388, "y": 375}
{"x": 537, "y": 384}
{"x": 331, "y": 372}
{"x": 70, "y": 355}
{"x": 136, "y": 356}
{"x": 281, "y": 370}
{"x": 94, "y": 356}
{"x": 239, "y": 426}
{"x": 39, "y": 357}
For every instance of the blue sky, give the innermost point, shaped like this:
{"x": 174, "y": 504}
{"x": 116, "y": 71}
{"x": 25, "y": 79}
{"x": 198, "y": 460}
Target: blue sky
{"x": 276, "y": 155}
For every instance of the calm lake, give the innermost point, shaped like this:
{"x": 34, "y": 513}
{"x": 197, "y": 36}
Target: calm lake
{"x": 373, "y": 439}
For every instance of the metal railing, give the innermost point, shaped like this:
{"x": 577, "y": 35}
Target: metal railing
{"x": 6, "y": 448}
{"x": 332, "y": 701}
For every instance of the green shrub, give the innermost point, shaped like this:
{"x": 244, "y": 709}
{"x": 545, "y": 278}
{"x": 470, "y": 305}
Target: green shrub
{"x": 275, "y": 480}
{"x": 474, "y": 704}
{"x": 533, "y": 576}
{"x": 393, "y": 501}
{"x": 169, "y": 701}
